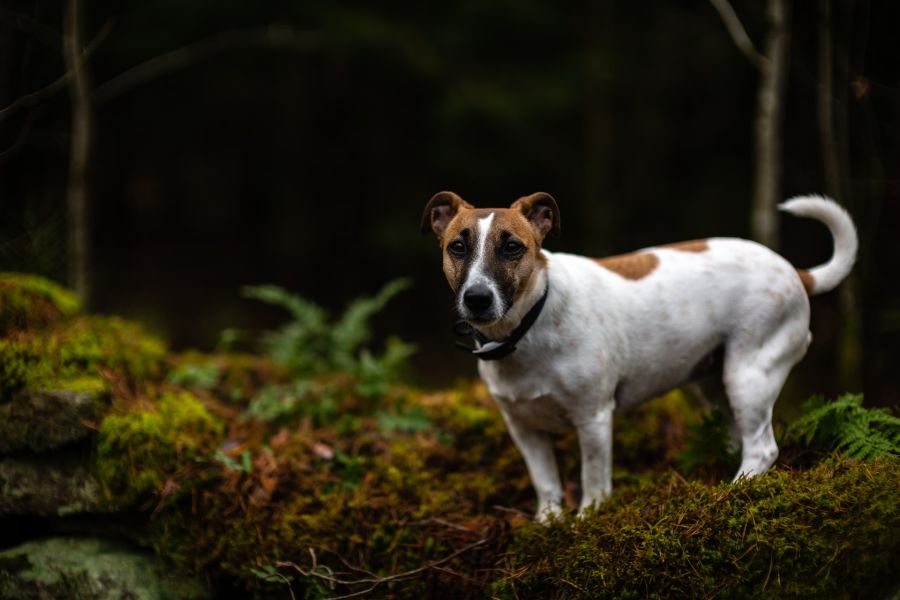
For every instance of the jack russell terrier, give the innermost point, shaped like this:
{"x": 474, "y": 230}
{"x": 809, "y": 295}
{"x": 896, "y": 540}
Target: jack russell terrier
{"x": 564, "y": 340}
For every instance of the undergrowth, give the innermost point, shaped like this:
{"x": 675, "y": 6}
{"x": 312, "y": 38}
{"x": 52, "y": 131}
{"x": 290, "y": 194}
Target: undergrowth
{"x": 314, "y": 472}
{"x": 321, "y": 355}
{"x": 845, "y": 425}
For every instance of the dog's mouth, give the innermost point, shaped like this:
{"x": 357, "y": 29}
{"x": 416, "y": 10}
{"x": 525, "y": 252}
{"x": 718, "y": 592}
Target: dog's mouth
{"x": 480, "y": 319}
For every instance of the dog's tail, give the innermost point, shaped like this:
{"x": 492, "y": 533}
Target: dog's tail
{"x": 826, "y": 277}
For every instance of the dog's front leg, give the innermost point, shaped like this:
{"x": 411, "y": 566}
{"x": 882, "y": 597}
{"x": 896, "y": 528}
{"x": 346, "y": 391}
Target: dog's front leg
{"x": 595, "y": 440}
{"x": 537, "y": 450}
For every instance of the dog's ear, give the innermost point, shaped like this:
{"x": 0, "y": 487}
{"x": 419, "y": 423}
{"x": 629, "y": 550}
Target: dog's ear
{"x": 440, "y": 210}
{"x": 541, "y": 210}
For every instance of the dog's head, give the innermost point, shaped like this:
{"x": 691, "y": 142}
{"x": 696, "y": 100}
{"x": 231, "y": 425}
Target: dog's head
{"x": 491, "y": 255}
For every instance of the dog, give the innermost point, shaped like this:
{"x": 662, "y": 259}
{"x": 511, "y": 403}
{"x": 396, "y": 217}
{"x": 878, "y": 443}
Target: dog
{"x": 563, "y": 340}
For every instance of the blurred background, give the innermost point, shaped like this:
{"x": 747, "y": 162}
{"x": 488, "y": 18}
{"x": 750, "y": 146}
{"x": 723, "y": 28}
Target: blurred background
{"x": 198, "y": 146}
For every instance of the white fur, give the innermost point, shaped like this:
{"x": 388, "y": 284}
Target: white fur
{"x": 828, "y": 276}
{"x": 477, "y": 273}
{"x": 604, "y": 343}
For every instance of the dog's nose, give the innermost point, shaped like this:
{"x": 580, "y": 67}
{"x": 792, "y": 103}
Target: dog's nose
{"x": 478, "y": 298}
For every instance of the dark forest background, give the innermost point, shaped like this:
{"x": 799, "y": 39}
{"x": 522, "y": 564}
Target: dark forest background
{"x": 297, "y": 142}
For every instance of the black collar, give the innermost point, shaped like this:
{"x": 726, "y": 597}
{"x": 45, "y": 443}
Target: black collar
{"x": 488, "y": 349}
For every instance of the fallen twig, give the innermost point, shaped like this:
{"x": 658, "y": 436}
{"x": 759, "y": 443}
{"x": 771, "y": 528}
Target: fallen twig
{"x": 373, "y": 581}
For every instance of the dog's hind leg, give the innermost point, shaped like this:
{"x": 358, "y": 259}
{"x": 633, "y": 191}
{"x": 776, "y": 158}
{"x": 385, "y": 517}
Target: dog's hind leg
{"x": 537, "y": 450}
{"x": 754, "y": 373}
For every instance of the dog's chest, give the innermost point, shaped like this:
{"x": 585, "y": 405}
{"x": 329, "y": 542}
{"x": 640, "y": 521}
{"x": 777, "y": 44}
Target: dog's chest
{"x": 536, "y": 397}
{"x": 542, "y": 412}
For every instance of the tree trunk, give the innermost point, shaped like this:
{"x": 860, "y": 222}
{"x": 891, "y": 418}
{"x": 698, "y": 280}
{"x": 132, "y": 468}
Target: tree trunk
{"x": 769, "y": 113}
{"x": 79, "y": 151}
{"x": 849, "y": 347}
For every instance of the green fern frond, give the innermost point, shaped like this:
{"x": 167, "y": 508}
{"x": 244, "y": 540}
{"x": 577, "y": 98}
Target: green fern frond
{"x": 845, "y": 425}
{"x": 311, "y": 345}
{"x": 304, "y": 312}
{"x": 352, "y": 329}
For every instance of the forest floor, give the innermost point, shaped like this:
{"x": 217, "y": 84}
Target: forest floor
{"x": 228, "y": 474}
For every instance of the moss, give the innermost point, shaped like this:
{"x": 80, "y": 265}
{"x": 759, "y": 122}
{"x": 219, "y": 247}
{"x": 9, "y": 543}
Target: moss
{"x": 29, "y": 301}
{"x": 85, "y": 347}
{"x": 139, "y": 448}
{"x": 387, "y": 500}
{"x": 829, "y": 532}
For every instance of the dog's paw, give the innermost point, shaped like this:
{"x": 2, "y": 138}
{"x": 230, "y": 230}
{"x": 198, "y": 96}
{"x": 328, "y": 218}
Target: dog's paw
{"x": 548, "y": 513}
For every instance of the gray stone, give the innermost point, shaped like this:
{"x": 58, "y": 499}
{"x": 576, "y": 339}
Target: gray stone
{"x": 89, "y": 569}
{"x": 47, "y": 419}
{"x": 50, "y": 485}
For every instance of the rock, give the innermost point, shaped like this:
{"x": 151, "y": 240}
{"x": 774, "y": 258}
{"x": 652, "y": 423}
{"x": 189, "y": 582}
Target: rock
{"x": 89, "y": 569}
{"x": 43, "y": 420}
{"x": 51, "y": 485}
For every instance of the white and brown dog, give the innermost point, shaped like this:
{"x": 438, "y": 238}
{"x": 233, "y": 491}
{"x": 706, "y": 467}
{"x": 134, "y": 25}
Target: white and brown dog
{"x": 564, "y": 340}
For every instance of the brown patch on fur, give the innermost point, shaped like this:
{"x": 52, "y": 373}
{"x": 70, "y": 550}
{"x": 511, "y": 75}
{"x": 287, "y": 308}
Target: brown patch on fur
{"x": 809, "y": 283}
{"x": 691, "y": 246}
{"x": 633, "y": 266}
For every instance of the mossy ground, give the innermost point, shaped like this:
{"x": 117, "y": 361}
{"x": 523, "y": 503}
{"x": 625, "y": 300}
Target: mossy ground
{"x": 80, "y": 348}
{"x": 31, "y": 302}
{"x": 410, "y": 494}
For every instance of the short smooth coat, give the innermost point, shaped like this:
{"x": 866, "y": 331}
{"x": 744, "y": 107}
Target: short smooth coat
{"x": 604, "y": 338}
{"x": 617, "y": 331}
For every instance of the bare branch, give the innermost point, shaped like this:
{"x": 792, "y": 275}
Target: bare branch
{"x": 372, "y": 581}
{"x": 737, "y": 32}
{"x": 42, "y": 95}
{"x": 269, "y": 37}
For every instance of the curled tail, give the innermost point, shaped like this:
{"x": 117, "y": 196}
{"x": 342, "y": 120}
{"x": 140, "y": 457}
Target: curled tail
{"x": 826, "y": 277}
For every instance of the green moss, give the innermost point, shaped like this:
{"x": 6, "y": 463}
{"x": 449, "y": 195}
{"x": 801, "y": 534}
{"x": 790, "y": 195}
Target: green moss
{"x": 29, "y": 301}
{"x": 139, "y": 449}
{"x": 830, "y": 532}
{"x": 388, "y": 500}
{"x": 85, "y": 347}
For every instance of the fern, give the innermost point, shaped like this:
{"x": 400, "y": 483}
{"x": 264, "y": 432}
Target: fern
{"x": 707, "y": 444}
{"x": 311, "y": 345}
{"x": 352, "y": 330}
{"x": 844, "y": 425}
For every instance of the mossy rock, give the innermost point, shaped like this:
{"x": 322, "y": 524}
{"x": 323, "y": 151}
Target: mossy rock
{"x": 87, "y": 346}
{"x": 32, "y": 302}
{"x": 56, "y": 484}
{"x": 41, "y": 420}
{"x": 143, "y": 444}
{"x": 89, "y": 569}
{"x": 830, "y": 532}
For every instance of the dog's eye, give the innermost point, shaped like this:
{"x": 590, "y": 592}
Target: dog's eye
{"x": 512, "y": 247}
{"x": 457, "y": 247}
